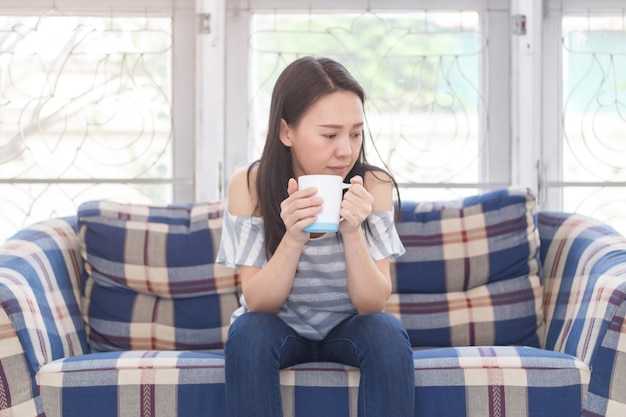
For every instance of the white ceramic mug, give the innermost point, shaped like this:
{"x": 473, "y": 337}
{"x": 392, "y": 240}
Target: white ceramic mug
{"x": 330, "y": 188}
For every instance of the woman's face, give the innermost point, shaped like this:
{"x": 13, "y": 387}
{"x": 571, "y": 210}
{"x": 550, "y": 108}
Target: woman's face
{"x": 329, "y": 136}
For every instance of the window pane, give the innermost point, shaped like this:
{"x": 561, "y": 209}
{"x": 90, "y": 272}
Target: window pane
{"x": 83, "y": 100}
{"x": 604, "y": 203}
{"x": 25, "y": 203}
{"x": 421, "y": 73}
{"x": 594, "y": 114}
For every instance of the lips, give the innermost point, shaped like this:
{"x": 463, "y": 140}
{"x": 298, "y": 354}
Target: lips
{"x": 341, "y": 171}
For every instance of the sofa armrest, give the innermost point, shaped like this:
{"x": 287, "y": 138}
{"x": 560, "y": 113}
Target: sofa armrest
{"x": 40, "y": 273}
{"x": 18, "y": 393}
{"x": 584, "y": 268}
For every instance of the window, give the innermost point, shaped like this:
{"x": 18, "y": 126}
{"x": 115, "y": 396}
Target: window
{"x": 86, "y": 111}
{"x": 100, "y": 102}
{"x": 429, "y": 106}
{"x": 586, "y": 166}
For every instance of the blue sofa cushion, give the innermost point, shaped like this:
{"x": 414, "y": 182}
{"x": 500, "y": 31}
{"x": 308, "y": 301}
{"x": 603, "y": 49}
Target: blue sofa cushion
{"x": 150, "y": 280}
{"x": 459, "y": 382}
{"x": 470, "y": 274}
{"x": 137, "y": 383}
{"x": 498, "y": 381}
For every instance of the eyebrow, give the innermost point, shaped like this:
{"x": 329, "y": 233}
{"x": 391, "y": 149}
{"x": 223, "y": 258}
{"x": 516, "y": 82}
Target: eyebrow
{"x": 340, "y": 126}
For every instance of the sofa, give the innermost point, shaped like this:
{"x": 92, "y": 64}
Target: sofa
{"x": 120, "y": 310}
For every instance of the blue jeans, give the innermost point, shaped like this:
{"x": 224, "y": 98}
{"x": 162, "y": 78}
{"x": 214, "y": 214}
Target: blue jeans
{"x": 259, "y": 344}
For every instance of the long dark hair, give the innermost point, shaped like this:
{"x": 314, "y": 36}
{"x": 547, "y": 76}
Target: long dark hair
{"x": 299, "y": 86}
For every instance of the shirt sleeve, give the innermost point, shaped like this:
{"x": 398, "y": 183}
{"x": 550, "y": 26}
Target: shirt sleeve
{"x": 242, "y": 242}
{"x": 384, "y": 241}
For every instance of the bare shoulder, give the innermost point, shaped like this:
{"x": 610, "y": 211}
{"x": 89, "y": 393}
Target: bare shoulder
{"x": 380, "y": 185}
{"x": 242, "y": 199}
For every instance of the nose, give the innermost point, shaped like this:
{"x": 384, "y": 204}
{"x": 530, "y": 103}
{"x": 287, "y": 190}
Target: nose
{"x": 344, "y": 147}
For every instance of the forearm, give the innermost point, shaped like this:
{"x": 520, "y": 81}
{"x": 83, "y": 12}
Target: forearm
{"x": 267, "y": 288}
{"x": 369, "y": 286}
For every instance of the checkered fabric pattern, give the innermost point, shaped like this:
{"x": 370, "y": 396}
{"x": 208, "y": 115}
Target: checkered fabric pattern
{"x": 466, "y": 381}
{"x": 161, "y": 383}
{"x": 498, "y": 381}
{"x": 585, "y": 276}
{"x": 472, "y": 268}
{"x": 40, "y": 320}
{"x": 46, "y": 367}
{"x": 134, "y": 383}
{"x": 150, "y": 279}
{"x": 17, "y": 391}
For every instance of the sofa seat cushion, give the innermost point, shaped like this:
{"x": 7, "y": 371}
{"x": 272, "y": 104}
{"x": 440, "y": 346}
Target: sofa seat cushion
{"x": 498, "y": 381}
{"x": 150, "y": 280}
{"x": 134, "y": 383}
{"x": 460, "y": 382}
{"x": 471, "y": 272}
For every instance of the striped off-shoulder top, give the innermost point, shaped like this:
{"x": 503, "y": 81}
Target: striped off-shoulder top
{"x": 319, "y": 299}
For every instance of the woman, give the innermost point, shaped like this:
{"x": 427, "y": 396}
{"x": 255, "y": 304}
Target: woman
{"x": 309, "y": 297}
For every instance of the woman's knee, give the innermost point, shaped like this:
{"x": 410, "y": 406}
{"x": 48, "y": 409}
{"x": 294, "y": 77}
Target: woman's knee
{"x": 251, "y": 323}
{"x": 253, "y": 329}
{"x": 383, "y": 324}
{"x": 266, "y": 338}
{"x": 385, "y": 333}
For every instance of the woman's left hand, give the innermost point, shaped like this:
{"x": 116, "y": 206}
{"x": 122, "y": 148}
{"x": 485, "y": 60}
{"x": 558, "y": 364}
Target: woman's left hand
{"x": 356, "y": 206}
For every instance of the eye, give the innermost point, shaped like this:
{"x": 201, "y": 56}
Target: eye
{"x": 330, "y": 135}
{"x": 357, "y": 135}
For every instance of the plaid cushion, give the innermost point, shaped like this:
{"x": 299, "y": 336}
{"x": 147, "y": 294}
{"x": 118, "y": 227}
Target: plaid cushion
{"x": 460, "y": 382}
{"x": 498, "y": 381}
{"x": 150, "y": 280}
{"x": 134, "y": 383}
{"x": 470, "y": 275}
{"x": 320, "y": 389}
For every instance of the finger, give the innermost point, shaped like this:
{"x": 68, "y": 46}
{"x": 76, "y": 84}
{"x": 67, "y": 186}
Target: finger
{"x": 358, "y": 203}
{"x": 357, "y": 179}
{"x": 358, "y": 195}
{"x": 292, "y": 186}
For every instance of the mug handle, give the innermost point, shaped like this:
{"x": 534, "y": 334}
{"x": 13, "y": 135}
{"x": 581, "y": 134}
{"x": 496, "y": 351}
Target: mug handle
{"x": 344, "y": 186}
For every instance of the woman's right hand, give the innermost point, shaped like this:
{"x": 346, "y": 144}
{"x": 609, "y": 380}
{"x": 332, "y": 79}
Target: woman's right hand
{"x": 299, "y": 210}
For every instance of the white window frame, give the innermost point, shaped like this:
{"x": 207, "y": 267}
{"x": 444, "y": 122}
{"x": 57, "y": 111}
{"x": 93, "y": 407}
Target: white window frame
{"x": 183, "y": 83}
{"x": 496, "y": 169}
{"x": 551, "y": 146}
{"x": 526, "y": 93}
